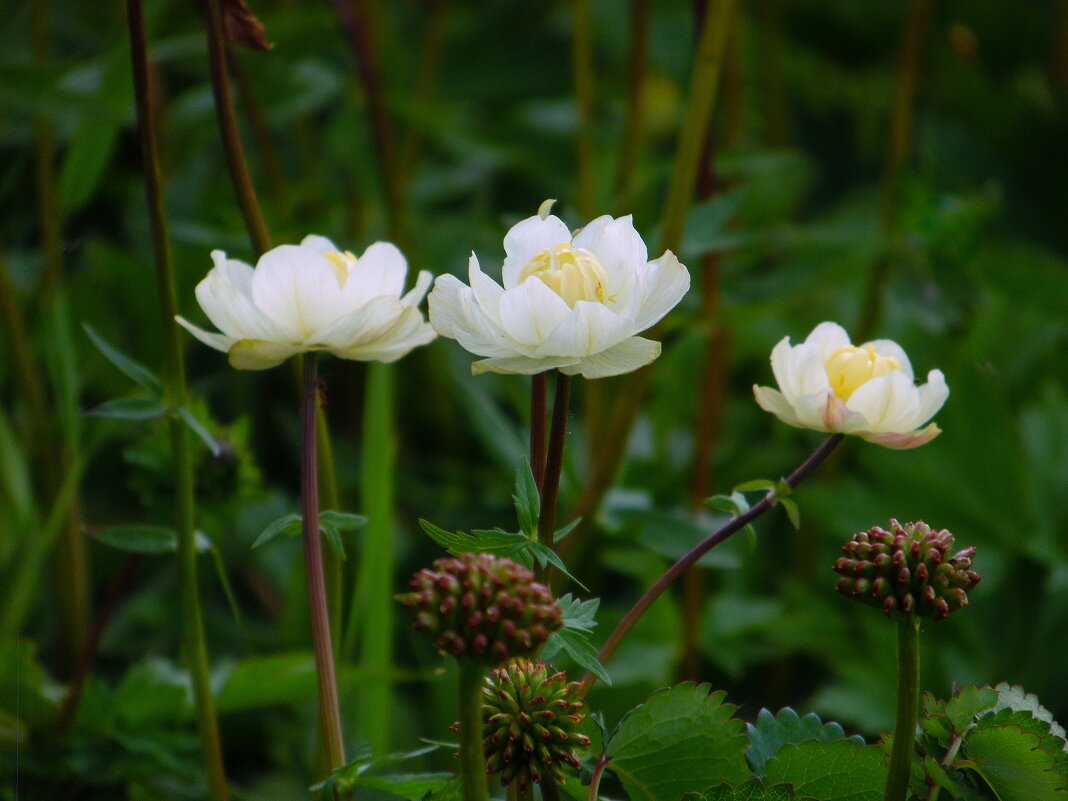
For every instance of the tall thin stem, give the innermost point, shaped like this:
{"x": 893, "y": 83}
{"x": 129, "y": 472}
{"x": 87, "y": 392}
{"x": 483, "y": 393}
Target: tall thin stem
{"x": 329, "y": 708}
{"x": 472, "y": 753}
{"x": 177, "y": 394}
{"x": 634, "y": 124}
{"x": 908, "y": 701}
{"x": 582, "y": 68}
{"x": 724, "y": 532}
{"x": 554, "y": 463}
{"x": 538, "y": 388}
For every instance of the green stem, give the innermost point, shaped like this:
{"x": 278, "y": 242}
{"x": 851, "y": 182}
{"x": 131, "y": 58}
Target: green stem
{"x": 549, "y": 792}
{"x": 554, "y": 463}
{"x": 372, "y": 601}
{"x": 177, "y": 394}
{"x": 472, "y": 756}
{"x": 582, "y": 67}
{"x": 538, "y": 383}
{"x": 711, "y": 49}
{"x": 908, "y": 701}
{"x": 329, "y": 707}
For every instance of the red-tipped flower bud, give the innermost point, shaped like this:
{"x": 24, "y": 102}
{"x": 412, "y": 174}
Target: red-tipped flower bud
{"x": 915, "y": 570}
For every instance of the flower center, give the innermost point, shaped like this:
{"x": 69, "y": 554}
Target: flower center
{"x": 850, "y": 366}
{"x": 340, "y": 262}
{"x": 572, "y": 274}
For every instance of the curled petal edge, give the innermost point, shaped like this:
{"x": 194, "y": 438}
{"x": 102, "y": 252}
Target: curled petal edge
{"x": 903, "y": 442}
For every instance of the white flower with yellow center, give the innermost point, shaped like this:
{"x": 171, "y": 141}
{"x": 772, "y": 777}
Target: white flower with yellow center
{"x": 573, "y": 303}
{"x": 310, "y": 297}
{"x": 869, "y": 391}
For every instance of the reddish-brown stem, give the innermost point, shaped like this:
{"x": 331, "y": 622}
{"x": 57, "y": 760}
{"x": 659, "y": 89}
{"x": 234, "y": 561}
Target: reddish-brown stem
{"x": 595, "y": 779}
{"x": 538, "y": 383}
{"x": 724, "y": 532}
{"x": 554, "y": 462}
{"x": 329, "y": 708}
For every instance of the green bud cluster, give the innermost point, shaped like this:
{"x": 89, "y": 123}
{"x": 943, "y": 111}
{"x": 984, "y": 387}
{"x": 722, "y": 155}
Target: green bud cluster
{"x": 909, "y": 569}
{"x": 531, "y": 716}
{"x": 482, "y": 607}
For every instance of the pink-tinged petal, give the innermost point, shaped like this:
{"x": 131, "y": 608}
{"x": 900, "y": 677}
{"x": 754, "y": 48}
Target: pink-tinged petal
{"x": 366, "y": 324}
{"x": 888, "y": 403}
{"x": 827, "y": 338}
{"x": 298, "y": 289}
{"x": 220, "y": 342}
{"x": 415, "y": 295}
{"x": 824, "y": 411}
{"x": 487, "y": 291}
{"x": 933, "y": 395}
{"x": 627, "y": 356}
{"x": 661, "y": 284}
{"x": 380, "y": 271}
{"x": 900, "y": 442}
{"x": 531, "y": 312}
{"x": 519, "y": 365}
{"x": 771, "y": 400}
{"x": 589, "y": 329}
{"x": 889, "y": 348}
{"x": 251, "y": 354}
{"x": 455, "y": 314}
{"x": 526, "y": 239}
{"x": 619, "y": 249}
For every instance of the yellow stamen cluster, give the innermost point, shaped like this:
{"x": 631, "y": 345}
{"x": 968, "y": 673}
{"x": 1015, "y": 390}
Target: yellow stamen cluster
{"x": 573, "y": 274}
{"x": 850, "y": 366}
{"x": 340, "y": 262}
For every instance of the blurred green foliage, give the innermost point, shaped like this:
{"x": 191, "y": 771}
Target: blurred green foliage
{"x": 977, "y": 286}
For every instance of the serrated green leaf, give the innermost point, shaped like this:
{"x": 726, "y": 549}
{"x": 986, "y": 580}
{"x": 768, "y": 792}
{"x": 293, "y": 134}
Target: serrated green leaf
{"x": 547, "y": 556}
{"x": 333, "y": 538}
{"x": 198, "y": 428}
{"x": 493, "y": 541}
{"x": 1023, "y": 719}
{"x": 754, "y": 485}
{"x": 842, "y": 770}
{"x": 577, "y": 614}
{"x": 138, "y": 539}
{"x": 752, "y": 790}
{"x": 343, "y": 521}
{"x": 773, "y": 731}
{"x": 1014, "y": 697}
{"x": 133, "y": 369}
{"x": 128, "y": 409}
{"x": 1014, "y": 764}
{"x": 684, "y": 739}
{"x": 286, "y": 524}
{"x": 527, "y": 500}
{"x": 578, "y": 647}
{"x": 963, "y": 708}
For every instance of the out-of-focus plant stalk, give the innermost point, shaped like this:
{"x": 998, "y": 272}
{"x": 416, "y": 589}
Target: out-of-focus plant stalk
{"x": 898, "y": 151}
{"x": 472, "y": 752}
{"x": 176, "y": 394}
{"x": 634, "y": 123}
{"x": 554, "y": 463}
{"x": 582, "y": 68}
{"x": 426, "y": 84}
{"x": 538, "y": 391}
{"x": 908, "y": 701}
{"x": 724, "y": 532}
{"x": 322, "y": 644}
{"x": 18, "y": 340}
{"x": 70, "y": 565}
{"x": 775, "y": 107}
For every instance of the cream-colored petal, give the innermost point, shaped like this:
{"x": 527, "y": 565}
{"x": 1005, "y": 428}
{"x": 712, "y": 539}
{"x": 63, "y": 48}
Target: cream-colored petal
{"x": 589, "y": 329}
{"x": 627, "y": 356}
{"x": 409, "y": 332}
{"x": 455, "y": 314}
{"x": 487, "y": 291}
{"x": 220, "y": 342}
{"x": 887, "y": 347}
{"x": 320, "y": 244}
{"x": 415, "y": 295}
{"x": 526, "y": 239}
{"x": 381, "y": 270}
{"x": 519, "y": 365}
{"x": 827, "y": 338}
{"x": 900, "y": 442}
{"x": 661, "y": 284}
{"x": 531, "y": 312}
{"x": 619, "y": 249}
{"x": 224, "y": 295}
{"x": 298, "y": 289}
{"x": 252, "y": 354}
{"x": 933, "y": 395}
{"x": 799, "y": 370}
{"x": 366, "y": 324}
{"x": 771, "y": 400}
{"x": 888, "y": 403}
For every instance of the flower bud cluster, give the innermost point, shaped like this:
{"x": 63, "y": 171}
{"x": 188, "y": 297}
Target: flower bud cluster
{"x": 482, "y": 607}
{"x": 909, "y": 569}
{"x": 531, "y": 716}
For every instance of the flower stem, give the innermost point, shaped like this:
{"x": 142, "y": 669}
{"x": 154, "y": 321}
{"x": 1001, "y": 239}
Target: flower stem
{"x": 177, "y": 394}
{"x": 908, "y": 700}
{"x": 329, "y": 709}
{"x": 538, "y": 383}
{"x": 472, "y": 755}
{"x": 724, "y": 532}
{"x": 554, "y": 462}
{"x": 595, "y": 779}
{"x": 548, "y": 789}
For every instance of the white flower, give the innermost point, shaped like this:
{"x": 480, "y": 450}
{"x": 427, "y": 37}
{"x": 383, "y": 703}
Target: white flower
{"x": 868, "y": 391}
{"x": 311, "y": 297}
{"x": 568, "y": 303}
